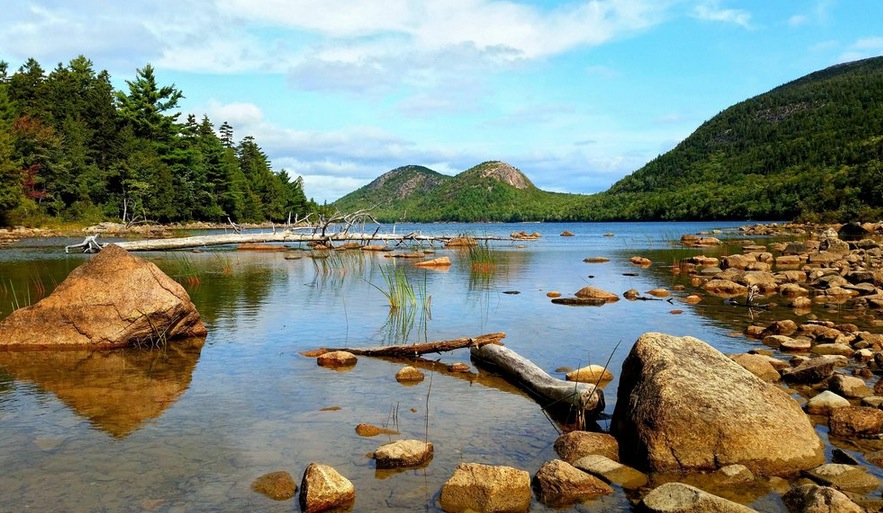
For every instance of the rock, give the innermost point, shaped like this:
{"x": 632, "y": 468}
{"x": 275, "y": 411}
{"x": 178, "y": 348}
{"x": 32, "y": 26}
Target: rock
{"x": 855, "y": 421}
{"x": 849, "y": 386}
{"x": 371, "y": 430}
{"x": 683, "y": 498}
{"x": 566, "y": 233}
{"x": 323, "y": 488}
{"x": 798, "y": 344}
{"x": 758, "y": 365}
{"x": 811, "y": 498}
{"x": 813, "y": 370}
{"x": 596, "y": 260}
{"x": 486, "y": 488}
{"x": 560, "y": 484}
{"x": 784, "y": 327}
{"x": 664, "y": 394}
{"x": 659, "y": 292}
{"x": 612, "y": 471}
{"x": 435, "y": 262}
{"x": 403, "y": 453}
{"x": 738, "y": 261}
{"x": 789, "y": 261}
{"x": 733, "y": 475}
{"x": 835, "y": 246}
{"x": 834, "y": 349}
{"x": 825, "y": 403}
{"x": 553, "y": 293}
{"x": 844, "y": 477}
{"x": 337, "y": 359}
{"x": 115, "y": 299}
{"x": 631, "y": 294}
{"x": 590, "y": 374}
{"x": 792, "y": 290}
{"x": 801, "y": 303}
{"x": 459, "y": 367}
{"x": 578, "y": 444}
{"x": 693, "y": 299}
{"x": 278, "y": 486}
{"x": 409, "y": 374}
{"x": 641, "y": 261}
{"x": 721, "y": 287}
{"x": 595, "y": 293}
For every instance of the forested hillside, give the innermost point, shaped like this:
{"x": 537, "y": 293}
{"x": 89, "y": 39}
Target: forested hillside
{"x": 812, "y": 148}
{"x": 74, "y": 149}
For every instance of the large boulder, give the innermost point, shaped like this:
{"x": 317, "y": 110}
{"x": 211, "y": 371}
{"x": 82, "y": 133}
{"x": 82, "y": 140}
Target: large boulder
{"x": 113, "y": 300}
{"x": 684, "y": 406}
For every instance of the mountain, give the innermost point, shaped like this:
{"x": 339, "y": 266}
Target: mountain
{"x": 810, "y": 149}
{"x": 490, "y": 191}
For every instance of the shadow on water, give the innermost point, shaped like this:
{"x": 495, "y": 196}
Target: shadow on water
{"x": 117, "y": 390}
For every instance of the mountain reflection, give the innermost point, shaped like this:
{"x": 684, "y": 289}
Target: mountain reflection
{"x": 118, "y": 390}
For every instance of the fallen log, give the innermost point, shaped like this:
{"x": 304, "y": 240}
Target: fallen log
{"x": 411, "y": 350}
{"x": 198, "y": 241}
{"x": 553, "y": 394}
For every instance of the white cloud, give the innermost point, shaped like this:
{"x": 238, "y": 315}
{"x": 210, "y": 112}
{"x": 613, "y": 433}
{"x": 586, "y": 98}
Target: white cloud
{"x": 863, "y": 49}
{"x": 798, "y": 20}
{"x": 710, "y": 11}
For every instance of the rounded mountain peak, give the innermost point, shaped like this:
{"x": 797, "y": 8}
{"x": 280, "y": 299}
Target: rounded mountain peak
{"x": 502, "y": 172}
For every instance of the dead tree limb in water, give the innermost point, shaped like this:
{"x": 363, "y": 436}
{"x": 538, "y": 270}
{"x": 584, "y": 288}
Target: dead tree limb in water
{"x": 280, "y": 236}
{"x": 552, "y": 393}
{"x": 415, "y": 349}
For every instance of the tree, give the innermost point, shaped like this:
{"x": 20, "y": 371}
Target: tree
{"x": 145, "y": 104}
{"x": 10, "y": 175}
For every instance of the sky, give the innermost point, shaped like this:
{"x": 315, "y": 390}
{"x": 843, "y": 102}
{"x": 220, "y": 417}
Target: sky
{"x": 576, "y": 94}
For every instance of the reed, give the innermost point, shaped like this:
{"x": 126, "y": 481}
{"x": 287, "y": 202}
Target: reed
{"x": 398, "y": 289}
{"x": 482, "y": 258}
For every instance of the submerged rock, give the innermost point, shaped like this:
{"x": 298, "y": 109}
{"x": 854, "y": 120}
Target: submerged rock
{"x": 113, "y": 300}
{"x": 670, "y": 385}
{"x": 278, "y": 486}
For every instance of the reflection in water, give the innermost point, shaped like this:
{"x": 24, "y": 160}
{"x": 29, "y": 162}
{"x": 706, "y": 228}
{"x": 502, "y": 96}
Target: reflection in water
{"x": 116, "y": 390}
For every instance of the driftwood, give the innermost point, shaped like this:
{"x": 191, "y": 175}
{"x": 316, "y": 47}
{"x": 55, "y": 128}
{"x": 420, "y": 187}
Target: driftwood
{"x": 278, "y": 236}
{"x": 552, "y": 393}
{"x": 89, "y": 245}
{"x": 415, "y": 349}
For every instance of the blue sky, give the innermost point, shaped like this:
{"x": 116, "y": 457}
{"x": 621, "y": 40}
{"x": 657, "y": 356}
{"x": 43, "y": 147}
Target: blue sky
{"x": 576, "y": 94}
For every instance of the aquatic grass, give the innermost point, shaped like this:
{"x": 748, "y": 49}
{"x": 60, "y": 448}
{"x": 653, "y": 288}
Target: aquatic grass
{"x": 399, "y": 291}
{"x": 224, "y": 263}
{"x": 482, "y": 258}
{"x": 409, "y": 305}
{"x": 158, "y": 338}
{"x": 187, "y": 270}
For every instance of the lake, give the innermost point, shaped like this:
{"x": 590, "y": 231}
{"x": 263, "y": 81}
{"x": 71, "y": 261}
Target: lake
{"x": 189, "y": 429}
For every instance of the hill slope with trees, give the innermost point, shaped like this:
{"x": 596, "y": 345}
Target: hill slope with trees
{"x": 811, "y": 148}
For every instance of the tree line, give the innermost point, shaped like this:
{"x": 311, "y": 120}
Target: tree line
{"x": 74, "y": 149}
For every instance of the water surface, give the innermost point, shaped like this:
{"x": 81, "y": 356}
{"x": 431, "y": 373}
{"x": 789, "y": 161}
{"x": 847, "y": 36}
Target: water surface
{"x": 189, "y": 429}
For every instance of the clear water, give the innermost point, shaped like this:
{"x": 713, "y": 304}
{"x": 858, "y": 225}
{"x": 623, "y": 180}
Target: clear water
{"x": 188, "y": 430}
